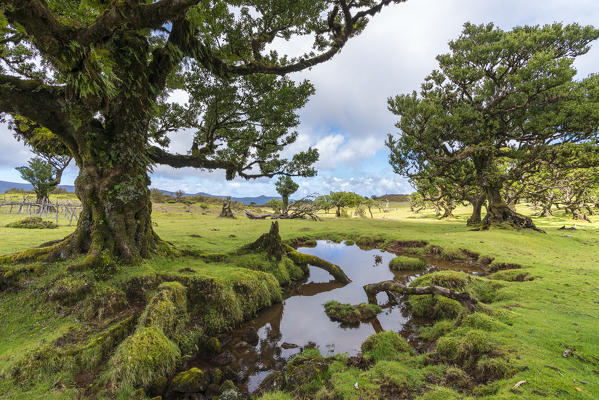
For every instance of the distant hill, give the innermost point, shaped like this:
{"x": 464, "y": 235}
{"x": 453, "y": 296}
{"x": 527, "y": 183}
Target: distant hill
{"x": 4, "y": 186}
{"x": 394, "y": 197}
{"x": 258, "y": 200}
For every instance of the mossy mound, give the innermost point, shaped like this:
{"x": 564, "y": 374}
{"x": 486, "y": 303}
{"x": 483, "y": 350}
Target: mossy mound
{"x": 403, "y": 263}
{"x": 143, "y": 357}
{"x": 193, "y": 380}
{"x": 350, "y": 314}
{"x": 441, "y": 393}
{"x": 369, "y": 241}
{"x": 69, "y": 290}
{"x": 104, "y": 302}
{"x": 11, "y": 277}
{"x": 385, "y": 346}
{"x": 482, "y": 321}
{"x": 439, "y": 307}
{"x": 440, "y": 328}
{"x": 465, "y": 351}
{"x": 511, "y": 275}
{"x": 32, "y": 223}
{"x": 307, "y": 372}
{"x": 167, "y": 310}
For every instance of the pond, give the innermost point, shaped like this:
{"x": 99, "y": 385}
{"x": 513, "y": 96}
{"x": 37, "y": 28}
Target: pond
{"x": 266, "y": 343}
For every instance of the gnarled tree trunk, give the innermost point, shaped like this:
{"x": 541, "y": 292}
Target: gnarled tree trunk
{"x": 477, "y": 205}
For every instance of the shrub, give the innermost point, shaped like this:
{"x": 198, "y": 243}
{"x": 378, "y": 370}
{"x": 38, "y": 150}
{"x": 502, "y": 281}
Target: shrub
{"x": 402, "y": 263}
{"x": 32, "y": 223}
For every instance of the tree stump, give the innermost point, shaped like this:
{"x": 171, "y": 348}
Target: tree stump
{"x": 270, "y": 242}
{"x": 226, "y": 210}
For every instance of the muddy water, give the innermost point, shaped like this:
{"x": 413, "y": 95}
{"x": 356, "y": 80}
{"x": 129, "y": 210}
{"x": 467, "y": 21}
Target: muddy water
{"x": 300, "y": 320}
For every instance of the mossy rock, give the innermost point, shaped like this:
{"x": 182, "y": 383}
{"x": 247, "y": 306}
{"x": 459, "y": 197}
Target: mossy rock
{"x": 193, "y": 380}
{"x": 212, "y": 346}
{"x": 350, "y": 314}
{"x": 403, "y": 263}
{"x": 32, "y": 223}
{"x": 69, "y": 290}
{"x": 386, "y": 345}
{"x": 304, "y": 369}
{"x": 143, "y": 357}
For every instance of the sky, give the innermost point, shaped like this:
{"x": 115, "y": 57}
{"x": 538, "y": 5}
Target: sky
{"x": 347, "y": 118}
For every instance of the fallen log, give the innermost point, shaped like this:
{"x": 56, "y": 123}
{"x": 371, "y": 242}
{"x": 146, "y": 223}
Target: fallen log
{"x": 391, "y": 287}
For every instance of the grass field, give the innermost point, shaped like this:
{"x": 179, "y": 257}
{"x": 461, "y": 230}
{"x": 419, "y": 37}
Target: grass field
{"x": 540, "y": 319}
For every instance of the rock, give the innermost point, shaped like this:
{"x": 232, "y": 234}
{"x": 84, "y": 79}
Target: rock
{"x": 286, "y": 345}
{"x": 212, "y": 390}
{"x": 273, "y": 381}
{"x": 213, "y": 346}
{"x": 567, "y": 353}
{"x": 217, "y": 377}
{"x": 159, "y": 385}
{"x": 251, "y": 336}
{"x": 224, "y": 358}
{"x": 191, "y": 381}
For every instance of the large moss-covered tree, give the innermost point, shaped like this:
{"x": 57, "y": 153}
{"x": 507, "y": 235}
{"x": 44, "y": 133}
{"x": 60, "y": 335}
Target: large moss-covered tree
{"x": 499, "y": 96}
{"x": 97, "y": 73}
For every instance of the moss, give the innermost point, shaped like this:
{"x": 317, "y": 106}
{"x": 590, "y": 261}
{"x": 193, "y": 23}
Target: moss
{"x": 457, "y": 378}
{"x": 191, "y": 381}
{"x": 349, "y": 242}
{"x": 276, "y": 396}
{"x": 385, "y": 346}
{"x": 350, "y": 314}
{"x": 434, "y": 307}
{"x": 448, "y": 279}
{"x": 167, "y": 310}
{"x": 511, "y": 275}
{"x": 69, "y": 290}
{"x": 11, "y": 277}
{"x": 491, "y": 369}
{"x": 143, "y": 357}
{"x": 104, "y": 302}
{"x": 307, "y": 372}
{"x": 32, "y": 223}
{"x": 441, "y": 393}
{"x": 398, "y": 380}
{"x": 434, "y": 332}
{"x": 481, "y": 321}
{"x": 402, "y": 263}
{"x": 465, "y": 351}
{"x": 212, "y": 346}
{"x": 369, "y": 241}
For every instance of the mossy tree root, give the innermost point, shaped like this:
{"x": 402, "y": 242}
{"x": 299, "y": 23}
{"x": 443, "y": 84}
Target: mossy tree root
{"x": 303, "y": 259}
{"x": 390, "y": 287}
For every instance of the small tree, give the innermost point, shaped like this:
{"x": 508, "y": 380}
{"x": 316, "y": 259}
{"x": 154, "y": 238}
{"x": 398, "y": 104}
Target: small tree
{"x": 42, "y": 175}
{"x": 324, "y": 202}
{"x": 286, "y": 187}
{"x": 344, "y": 199}
{"x": 276, "y": 205}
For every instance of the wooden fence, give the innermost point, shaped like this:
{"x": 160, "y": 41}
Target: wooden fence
{"x": 65, "y": 209}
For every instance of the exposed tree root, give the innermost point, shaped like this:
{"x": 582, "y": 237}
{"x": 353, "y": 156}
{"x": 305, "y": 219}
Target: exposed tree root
{"x": 334, "y": 270}
{"x": 391, "y": 287}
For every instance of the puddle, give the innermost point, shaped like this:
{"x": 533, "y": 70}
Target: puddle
{"x": 300, "y": 320}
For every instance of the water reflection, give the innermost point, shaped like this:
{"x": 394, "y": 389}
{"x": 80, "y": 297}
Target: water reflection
{"x": 300, "y": 320}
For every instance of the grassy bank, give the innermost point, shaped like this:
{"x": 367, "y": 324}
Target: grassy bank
{"x": 52, "y": 330}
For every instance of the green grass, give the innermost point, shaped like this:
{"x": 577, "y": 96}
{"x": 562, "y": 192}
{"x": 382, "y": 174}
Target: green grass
{"x": 534, "y": 321}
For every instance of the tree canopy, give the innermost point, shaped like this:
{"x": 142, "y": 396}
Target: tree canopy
{"x": 286, "y": 187}
{"x": 98, "y": 76}
{"x": 498, "y": 95}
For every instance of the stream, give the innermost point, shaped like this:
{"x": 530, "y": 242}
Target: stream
{"x": 267, "y": 342}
